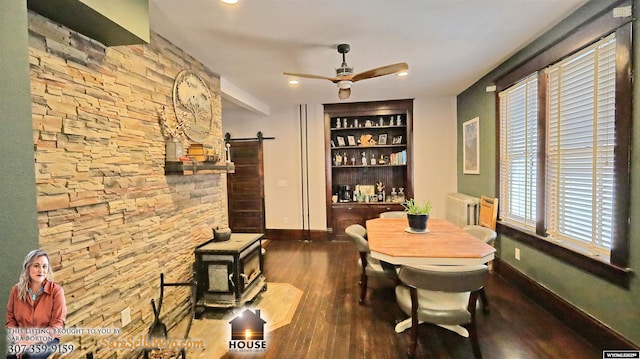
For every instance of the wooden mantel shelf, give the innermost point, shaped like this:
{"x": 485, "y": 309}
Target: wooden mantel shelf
{"x": 194, "y": 167}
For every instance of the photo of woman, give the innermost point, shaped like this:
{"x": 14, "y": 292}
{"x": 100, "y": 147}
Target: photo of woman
{"x": 36, "y": 301}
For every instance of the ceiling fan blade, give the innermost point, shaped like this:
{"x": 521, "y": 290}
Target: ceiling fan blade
{"x": 344, "y": 93}
{"x": 381, "y": 71}
{"x": 332, "y": 79}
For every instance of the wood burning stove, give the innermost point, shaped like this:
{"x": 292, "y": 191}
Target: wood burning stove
{"x": 229, "y": 273}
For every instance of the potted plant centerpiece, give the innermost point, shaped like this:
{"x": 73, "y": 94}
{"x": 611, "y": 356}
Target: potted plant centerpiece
{"x": 417, "y": 214}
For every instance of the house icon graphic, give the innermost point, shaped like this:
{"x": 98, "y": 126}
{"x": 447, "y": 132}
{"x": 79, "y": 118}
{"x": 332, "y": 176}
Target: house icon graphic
{"x": 247, "y": 326}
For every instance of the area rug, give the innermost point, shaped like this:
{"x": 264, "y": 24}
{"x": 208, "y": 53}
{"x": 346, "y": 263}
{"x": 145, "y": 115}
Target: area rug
{"x": 277, "y": 306}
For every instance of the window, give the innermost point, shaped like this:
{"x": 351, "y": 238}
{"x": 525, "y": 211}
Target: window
{"x": 580, "y": 144}
{"x": 518, "y": 152}
{"x": 564, "y": 143}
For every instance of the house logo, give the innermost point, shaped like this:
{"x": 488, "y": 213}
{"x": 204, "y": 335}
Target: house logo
{"x": 247, "y": 332}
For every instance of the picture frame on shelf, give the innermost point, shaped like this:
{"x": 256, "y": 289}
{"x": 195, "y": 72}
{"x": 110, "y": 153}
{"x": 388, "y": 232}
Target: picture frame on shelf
{"x": 397, "y": 140}
{"x": 382, "y": 139}
{"x": 340, "y": 140}
{"x": 352, "y": 140}
{"x": 471, "y": 146}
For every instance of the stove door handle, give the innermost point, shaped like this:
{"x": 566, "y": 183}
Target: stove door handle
{"x": 231, "y": 280}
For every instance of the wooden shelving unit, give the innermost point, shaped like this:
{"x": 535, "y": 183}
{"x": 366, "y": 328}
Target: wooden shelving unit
{"x": 380, "y": 120}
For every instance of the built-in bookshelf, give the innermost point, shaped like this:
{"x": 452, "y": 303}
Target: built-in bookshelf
{"x": 368, "y": 160}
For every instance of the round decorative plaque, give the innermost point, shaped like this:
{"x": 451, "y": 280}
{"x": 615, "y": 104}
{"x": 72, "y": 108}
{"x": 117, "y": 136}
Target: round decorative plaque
{"x": 192, "y": 101}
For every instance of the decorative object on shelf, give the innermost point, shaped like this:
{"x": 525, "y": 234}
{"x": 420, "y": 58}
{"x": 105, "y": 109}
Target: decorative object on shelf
{"x": 401, "y": 198}
{"x": 382, "y": 139}
{"x": 341, "y": 142}
{"x": 221, "y": 234}
{"x": 338, "y": 123}
{"x": 351, "y": 140}
{"x": 173, "y": 150}
{"x": 380, "y": 121}
{"x": 355, "y": 123}
{"x": 367, "y": 140}
{"x": 174, "y": 135}
{"x": 397, "y": 140}
{"x": 382, "y": 161}
{"x": 380, "y": 188}
{"x": 172, "y": 131}
{"x": 417, "y": 214}
{"x": 398, "y": 121}
{"x": 191, "y": 96}
{"x": 373, "y": 159}
{"x": 228, "y": 145}
{"x": 203, "y": 153}
{"x": 368, "y": 123}
{"x": 364, "y": 159}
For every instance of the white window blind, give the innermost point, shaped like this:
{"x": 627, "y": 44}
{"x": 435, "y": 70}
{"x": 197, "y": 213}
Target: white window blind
{"x": 518, "y": 152}
{"x": 580, "y": 147}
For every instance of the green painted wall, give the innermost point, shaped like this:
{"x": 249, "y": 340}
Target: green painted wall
{"x": 616, "y": 307}
{"x": 18, "y": 210}
{"x": 18, "y": 215}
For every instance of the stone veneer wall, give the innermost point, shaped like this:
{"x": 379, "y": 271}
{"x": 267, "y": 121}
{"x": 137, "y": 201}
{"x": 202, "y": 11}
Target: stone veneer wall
{"x": 109, "y": 217}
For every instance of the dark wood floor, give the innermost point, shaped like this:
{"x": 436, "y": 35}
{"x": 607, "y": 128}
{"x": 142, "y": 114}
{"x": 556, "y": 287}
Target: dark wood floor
{"x": 329, "y": 322}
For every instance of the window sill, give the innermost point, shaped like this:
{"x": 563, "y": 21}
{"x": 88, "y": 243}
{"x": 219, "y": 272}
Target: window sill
{"x": 592, "y": 264}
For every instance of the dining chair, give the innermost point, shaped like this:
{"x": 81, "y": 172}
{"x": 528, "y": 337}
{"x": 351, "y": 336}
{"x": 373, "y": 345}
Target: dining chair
{"x": 488, "y": 214}
{"x": 370, "y": 266}
{"x": 441, "y": 295}
{"x": 393, "y": 214}
{"x": 485, "y": 231}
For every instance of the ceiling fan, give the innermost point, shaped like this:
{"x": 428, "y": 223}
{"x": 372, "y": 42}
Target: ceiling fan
{"x": 345, "y": 76}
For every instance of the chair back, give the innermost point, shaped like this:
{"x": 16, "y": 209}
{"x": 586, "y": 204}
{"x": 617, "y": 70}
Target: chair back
{"x": 358, "y": 234}
{"x": 393, "y": 214}
{"x": 451, "y": 279}
{"x": 484, "y": 234}
{"x": 488, "y": 212}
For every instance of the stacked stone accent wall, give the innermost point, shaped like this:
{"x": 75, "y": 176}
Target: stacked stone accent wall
{"x": 109, "y": 217}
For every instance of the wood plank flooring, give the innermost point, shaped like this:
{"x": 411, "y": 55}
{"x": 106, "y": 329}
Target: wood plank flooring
{"x": 329, "y": 322}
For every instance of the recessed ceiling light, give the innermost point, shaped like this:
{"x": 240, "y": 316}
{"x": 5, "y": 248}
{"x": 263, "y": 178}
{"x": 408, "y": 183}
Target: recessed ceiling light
{"x": 230, "y": 2}
{"x": 293, "y": 82}
{"x": 403, "y": 73}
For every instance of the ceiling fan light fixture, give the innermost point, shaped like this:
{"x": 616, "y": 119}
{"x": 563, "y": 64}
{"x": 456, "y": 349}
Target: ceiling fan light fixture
{"x": 230, "y": 2}
{"x": 293, "y": 82}
{"x": 403, "y": 73}
{"x": 344, "y": 70}
{"x": 345, "y": 84}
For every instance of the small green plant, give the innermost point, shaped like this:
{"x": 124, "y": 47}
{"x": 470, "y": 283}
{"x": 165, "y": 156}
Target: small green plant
{"x": 412, "y": 207}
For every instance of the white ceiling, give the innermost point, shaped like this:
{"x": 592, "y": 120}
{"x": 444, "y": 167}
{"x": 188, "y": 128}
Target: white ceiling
{"x": 448, "y": 44}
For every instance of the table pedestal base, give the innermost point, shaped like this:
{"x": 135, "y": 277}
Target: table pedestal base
{"x": 406, "y": 324}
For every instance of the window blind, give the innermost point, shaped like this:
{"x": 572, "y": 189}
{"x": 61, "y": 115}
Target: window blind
{"x": 580, "y": 147}
{"x": 518, "y": 151}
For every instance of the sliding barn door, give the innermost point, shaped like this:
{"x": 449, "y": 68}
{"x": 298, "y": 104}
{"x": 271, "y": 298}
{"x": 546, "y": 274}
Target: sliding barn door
{"x": 246, "y": 188}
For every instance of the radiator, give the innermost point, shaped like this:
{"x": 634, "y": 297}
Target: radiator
{"x": 462, "y": 209}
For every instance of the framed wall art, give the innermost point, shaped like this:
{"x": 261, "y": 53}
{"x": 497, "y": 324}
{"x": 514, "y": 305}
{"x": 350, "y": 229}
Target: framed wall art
{"x": 471, "y": 146}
